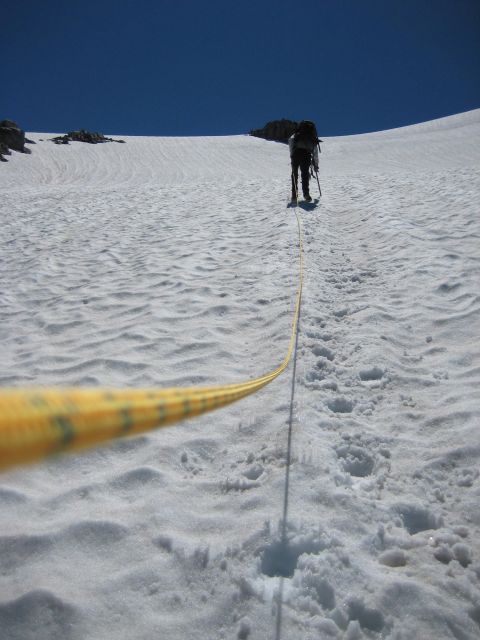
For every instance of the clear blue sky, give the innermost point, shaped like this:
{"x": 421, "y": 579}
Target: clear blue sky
{"x": 213, "y": 67}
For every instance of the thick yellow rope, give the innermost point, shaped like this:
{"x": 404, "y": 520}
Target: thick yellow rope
{"x": 38, "y": 422}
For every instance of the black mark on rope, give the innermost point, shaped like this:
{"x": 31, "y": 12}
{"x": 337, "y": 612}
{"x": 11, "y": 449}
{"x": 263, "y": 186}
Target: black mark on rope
{"x": 127, "y": 421}
{"x": 66, "y": 428}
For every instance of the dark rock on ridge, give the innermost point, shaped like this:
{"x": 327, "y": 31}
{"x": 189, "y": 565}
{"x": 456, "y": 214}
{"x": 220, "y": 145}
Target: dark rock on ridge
{"x": 4, "y": 151}
{"x": 278, "y": 130}
{"x": 12, "y": 137}
{"x": 83, "y": 136}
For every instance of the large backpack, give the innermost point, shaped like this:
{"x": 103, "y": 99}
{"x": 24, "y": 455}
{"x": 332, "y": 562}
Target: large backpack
{"x": 306, "y": 136}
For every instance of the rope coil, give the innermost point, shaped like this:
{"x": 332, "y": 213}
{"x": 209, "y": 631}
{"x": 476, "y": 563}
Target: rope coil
{"x": 38, "y": 422}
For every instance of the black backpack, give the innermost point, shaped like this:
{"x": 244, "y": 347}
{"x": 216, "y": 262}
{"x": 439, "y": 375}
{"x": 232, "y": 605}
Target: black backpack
{"x": 306, "y": 136}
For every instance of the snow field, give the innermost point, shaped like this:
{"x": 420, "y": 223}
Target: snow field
{"x": 170, "y": 261}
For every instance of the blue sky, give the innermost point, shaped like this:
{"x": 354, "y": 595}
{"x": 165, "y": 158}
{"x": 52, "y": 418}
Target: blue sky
{"x": 215, "y": 67}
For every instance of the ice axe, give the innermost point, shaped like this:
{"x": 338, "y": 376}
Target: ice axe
{"x": 312, "y": 168}
{"x": 318, "y": 182}
{"x": 316, "y": 172}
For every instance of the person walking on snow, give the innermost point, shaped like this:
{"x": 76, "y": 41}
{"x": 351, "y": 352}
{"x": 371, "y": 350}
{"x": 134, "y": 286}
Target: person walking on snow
{"x": 303, "y": 146}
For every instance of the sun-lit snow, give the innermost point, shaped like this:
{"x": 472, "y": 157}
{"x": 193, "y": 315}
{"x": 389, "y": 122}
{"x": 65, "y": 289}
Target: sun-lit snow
{"x": 173, "y": 261}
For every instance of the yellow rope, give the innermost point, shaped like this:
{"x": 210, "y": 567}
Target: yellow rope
{"x": 38, "y": 422}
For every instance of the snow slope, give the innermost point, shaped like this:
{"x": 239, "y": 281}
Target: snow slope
{"x": 172, "y": 261}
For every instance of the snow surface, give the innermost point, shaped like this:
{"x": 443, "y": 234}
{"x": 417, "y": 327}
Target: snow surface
{"x": 172, "y": 261}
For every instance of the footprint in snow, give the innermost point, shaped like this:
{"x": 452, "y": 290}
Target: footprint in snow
{"x": 416, "y": 518}
{"x": 324, "y": 352}
{"x": 361, "y": 457}
{"x": 356, "y": 460}
{"x": 340, "y": 405}
{"x": 372, "y": 374}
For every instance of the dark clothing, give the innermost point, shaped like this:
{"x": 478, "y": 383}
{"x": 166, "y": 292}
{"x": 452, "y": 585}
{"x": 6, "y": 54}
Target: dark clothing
{"x": 303, "y": 145}
{"x": 300, "y": 158}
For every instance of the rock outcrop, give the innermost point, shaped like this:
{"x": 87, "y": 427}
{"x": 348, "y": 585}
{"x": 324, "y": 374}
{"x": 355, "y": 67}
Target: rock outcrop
{"x": 4, "y": 151}
{"x": 12, "y": 137}
{"x": 278, "y": 130}
{"x": 83, "y": 136}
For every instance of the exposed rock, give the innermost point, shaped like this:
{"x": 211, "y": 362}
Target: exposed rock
{"x": 11, "y": 137}
{"x": 83, "y": 136}
{"x": 4, "y": 151}
{"x": 278, "y": 130}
